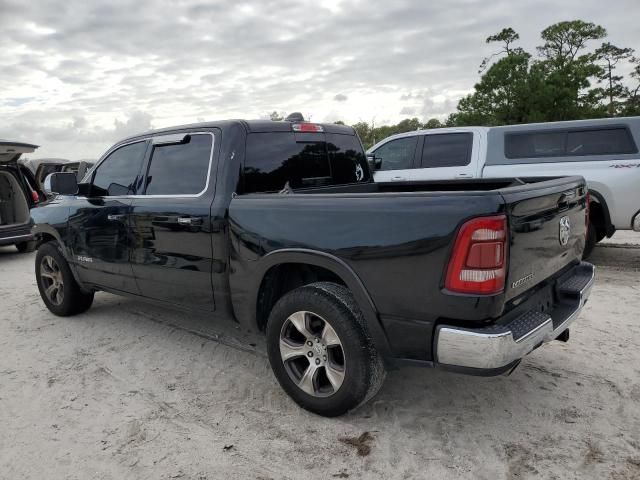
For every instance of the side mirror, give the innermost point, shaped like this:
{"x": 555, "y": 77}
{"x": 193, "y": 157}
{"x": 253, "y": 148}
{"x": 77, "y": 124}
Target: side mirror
{"x": 374, "y": 162}
{"x": 61, "y": 183}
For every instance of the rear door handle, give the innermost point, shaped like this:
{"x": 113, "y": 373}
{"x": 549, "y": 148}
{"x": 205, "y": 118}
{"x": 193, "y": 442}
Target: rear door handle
{"x": 463, "y": 175}
{"x": 116, "y": 218}
{"x": 398, "y": 179}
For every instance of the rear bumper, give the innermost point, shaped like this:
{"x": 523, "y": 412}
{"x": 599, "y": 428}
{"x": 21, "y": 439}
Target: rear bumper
{"x": 497, "y": 348}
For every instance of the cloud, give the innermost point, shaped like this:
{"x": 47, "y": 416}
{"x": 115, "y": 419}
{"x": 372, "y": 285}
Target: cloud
{"x": 136, "y": 123}
{"x": 76, "y": 138}
{"x": 78, "y": 73}
{"x": 408, "y": 111}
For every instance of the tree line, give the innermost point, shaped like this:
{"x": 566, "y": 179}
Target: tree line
{"x": 566, "y": 79}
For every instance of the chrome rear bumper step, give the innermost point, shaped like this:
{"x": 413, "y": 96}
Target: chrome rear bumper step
{"x": 497, "y": 346}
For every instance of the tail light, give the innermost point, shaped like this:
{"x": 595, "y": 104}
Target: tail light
{"x": 478, "y": 263}
{"x": 34, "y": 196}
{"x": 587, "y": 209}
{"x": 307, "y": 127}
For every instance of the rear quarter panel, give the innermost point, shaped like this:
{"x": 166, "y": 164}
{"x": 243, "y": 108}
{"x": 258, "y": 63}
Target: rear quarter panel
{"x": 397, "y": 244}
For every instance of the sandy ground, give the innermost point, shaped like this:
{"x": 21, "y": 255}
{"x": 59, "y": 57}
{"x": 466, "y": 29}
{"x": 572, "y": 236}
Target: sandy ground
{"x": 128, "y": 390}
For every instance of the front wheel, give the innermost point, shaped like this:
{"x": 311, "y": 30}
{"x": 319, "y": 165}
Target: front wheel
{"x": 58, "y": 288}
{"x": 320, "y": 352}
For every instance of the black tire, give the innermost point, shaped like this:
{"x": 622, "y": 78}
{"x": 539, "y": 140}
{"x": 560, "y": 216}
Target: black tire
{"x": 72, "y": 300}
{"x": 600, "y": 235}
{"x": 26, "y": 247}
{"x": 363, "y": 372}
{"x": 591, "y": 241}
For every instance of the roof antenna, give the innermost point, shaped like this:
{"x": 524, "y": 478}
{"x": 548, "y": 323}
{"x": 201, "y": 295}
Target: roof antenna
{"x": 294, "y": 117}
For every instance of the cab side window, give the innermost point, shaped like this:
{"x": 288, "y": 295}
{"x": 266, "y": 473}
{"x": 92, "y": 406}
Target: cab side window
{"x": 180, "y": 169}
{"x": 447, "y": 150}
{"x": 118, "y": 173}
{"x": 397, "y": 154}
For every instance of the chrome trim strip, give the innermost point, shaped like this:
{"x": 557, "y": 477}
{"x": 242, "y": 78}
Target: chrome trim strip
{"x": 187, "y": 195}
{"x": 474, "y": 349}
{"x": 17, "y": 237}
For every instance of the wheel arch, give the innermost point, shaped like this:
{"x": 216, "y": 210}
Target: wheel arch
{"x": 44, "y": 233}
{"x": 333, "y": 269}
{"x": 600, "y": 214}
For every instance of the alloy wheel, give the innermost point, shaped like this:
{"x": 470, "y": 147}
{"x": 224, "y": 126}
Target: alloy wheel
{"x": 312, "y": 354}
{"x": 51, "y": 277}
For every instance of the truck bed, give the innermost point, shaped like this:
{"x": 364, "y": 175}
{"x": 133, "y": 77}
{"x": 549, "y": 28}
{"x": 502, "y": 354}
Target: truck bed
{"x": 398, "y": 238}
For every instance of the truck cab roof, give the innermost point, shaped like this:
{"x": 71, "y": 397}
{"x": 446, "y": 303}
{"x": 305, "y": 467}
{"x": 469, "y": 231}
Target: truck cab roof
{"x": 250, "y": 126}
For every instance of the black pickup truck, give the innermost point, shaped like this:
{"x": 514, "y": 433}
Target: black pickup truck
{"x": 279, "y": 226}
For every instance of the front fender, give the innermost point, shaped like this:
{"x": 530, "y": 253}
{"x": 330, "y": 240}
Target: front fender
{"x": 43, "y": 233}
{"x": 54, "y": 228}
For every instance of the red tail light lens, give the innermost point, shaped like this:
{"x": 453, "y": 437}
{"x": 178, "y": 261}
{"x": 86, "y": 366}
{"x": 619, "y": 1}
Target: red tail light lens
{"x": 478, "y": 263}
{"x": 307, "y": 127}
{"x": 587, "y": 208}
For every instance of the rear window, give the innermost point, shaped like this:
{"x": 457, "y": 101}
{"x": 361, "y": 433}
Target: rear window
{"x": 447, "y": 150}
{"x": 303, "y": 160}
{"x": 567, "y": 143}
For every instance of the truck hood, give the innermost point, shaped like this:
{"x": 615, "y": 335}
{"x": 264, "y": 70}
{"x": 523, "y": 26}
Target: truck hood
{"x": 11, "y": 151}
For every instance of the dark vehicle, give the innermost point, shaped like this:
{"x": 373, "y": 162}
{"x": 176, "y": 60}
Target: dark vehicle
{"x": 41, "y": 168}
{"x": 18, "y": 194}
{"x": 279, "y": 226}
{"x": 79, "y": 168}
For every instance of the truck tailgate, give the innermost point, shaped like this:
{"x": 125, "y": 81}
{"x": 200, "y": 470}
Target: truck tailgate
{"x": 548, "y": 229}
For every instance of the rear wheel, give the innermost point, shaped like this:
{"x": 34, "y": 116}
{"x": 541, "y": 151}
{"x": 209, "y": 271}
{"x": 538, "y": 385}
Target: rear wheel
{"x": 320, "y": 352}
{"x": 58, "y": 288}
{"x": 26, "y": 247}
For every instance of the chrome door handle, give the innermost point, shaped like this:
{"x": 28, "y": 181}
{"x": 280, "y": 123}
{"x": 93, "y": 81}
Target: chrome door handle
{"x": 398, "y": 179}
{"x": 189, "y": 221}
{"x": 116, "y": 218}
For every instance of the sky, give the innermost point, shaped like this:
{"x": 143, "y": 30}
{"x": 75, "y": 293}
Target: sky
{"x": 78, "y": 75}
